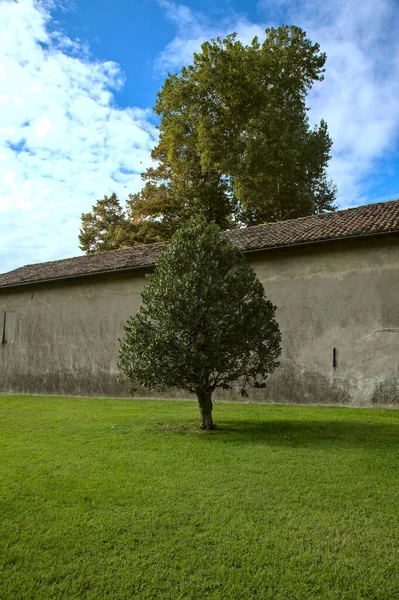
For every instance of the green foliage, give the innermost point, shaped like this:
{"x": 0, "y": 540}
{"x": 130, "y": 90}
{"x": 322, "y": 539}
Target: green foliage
{"x": 237, "y": 120}
{"x": 204, "y": 321}
{"x": 235, "y": 143}
{"x": 105, "y": 228}
{"x": 239, "y": 113}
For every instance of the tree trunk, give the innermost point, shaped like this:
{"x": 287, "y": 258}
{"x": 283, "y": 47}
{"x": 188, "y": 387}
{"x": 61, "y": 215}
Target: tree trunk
{"x": 205, "y": 406}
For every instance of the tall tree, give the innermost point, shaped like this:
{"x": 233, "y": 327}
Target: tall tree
{"x": 235, "y": 140}
{"x": 204, "y": 321}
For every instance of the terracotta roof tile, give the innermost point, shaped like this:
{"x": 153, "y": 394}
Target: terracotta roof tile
{"x": 368, "y": 220}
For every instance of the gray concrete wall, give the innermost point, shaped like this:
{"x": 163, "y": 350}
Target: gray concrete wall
{"x": 61, "y": 338}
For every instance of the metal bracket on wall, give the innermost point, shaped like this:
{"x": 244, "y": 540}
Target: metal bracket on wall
{"x": 334, "y": 358}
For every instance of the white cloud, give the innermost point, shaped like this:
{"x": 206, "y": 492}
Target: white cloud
{"x": 359, "y": 96}
{"x": 63, "y": 143}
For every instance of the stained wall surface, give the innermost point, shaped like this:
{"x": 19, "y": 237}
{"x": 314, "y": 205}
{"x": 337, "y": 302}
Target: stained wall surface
{"x": 337, "y": 306}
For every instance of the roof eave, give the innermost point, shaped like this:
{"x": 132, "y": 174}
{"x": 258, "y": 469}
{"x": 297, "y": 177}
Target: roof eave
{"x": 77, "y": 276}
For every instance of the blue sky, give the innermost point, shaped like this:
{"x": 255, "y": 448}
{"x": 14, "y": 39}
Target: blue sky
{"x": 78, "y": 81}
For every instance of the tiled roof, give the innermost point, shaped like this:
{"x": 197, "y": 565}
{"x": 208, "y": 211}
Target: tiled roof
{"x": 137, "y": 257}
{"x": 369, "y": 220}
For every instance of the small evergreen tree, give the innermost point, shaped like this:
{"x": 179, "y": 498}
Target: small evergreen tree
{"x": 204, "y": 321}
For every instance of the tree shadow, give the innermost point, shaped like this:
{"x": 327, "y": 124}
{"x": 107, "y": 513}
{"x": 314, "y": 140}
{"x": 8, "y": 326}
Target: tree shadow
{"x": 306, "y": 433}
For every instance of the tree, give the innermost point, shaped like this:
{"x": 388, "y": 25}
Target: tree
{"x": 110, "y": 226}
{"x": 235, "y": 141}
{"x": 204, "y": 321}
{"x": 104, "y": 228}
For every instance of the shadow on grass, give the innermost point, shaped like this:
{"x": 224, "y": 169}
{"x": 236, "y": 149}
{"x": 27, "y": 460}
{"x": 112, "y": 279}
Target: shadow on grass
{"x": 344, "y": 433}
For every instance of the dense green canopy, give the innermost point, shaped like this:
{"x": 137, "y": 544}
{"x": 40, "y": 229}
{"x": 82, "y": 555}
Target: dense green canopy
{"x": 235, "y": 142}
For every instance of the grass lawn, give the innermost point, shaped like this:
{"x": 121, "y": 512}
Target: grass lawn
{"x": 123, "y": 499}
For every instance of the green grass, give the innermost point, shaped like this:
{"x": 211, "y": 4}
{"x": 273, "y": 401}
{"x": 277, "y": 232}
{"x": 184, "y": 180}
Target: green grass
{"x": 123, "y": 499}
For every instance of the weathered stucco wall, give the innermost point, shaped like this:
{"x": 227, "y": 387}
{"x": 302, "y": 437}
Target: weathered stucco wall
{"x": 65, "y": 335}
{"x": 343, "y": 296}
{"x": 62, "y": 338}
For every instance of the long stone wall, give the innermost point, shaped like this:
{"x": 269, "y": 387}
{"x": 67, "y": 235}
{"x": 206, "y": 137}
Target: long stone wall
{"x": 338, "y": 309}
